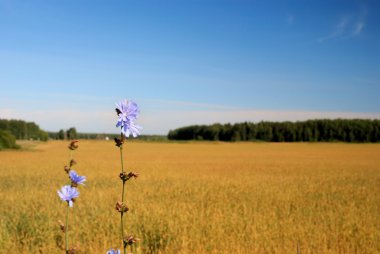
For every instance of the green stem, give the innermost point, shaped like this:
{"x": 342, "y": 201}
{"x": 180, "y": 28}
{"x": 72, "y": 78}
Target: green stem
{"x": 121, "y": 158}
{"x": 66, "y": 229}
{"x": 122, "y": 199}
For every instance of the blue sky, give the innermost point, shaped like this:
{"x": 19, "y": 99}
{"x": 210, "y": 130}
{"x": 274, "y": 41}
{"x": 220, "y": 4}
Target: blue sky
{"x": 65, "y": 63}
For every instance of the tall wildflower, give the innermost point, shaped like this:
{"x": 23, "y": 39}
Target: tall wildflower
{"x": 69, "y": 192}
{"x": 127, "y": 112}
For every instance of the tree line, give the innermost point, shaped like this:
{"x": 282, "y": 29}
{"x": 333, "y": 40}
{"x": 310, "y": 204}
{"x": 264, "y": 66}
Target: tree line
{"x": 23, "y": 130}
{"x": 325, "y": 130}
{"x": 70, "y": 134}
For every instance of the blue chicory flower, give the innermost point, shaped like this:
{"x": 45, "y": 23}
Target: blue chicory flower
{"x": 68, "y": 193}
{"x": 112, "y": 251}
{"x": 131, "y": 129}
{"x": 75, "y": 178}
{"x": 128, "y": 112}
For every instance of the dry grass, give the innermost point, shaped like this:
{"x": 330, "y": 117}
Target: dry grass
{"x": 198, "y": 197}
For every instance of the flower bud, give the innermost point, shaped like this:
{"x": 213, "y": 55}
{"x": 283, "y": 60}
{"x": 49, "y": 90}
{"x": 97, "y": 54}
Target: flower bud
{"x": 129, "y": 240}
{"x": 121, "y": 207}
{"x": 67, "y": 169}
{"x": 73, "y": 145}
{"x": 119, "y": 142}
{"x": 125, "y": 177}
{"x": 72, "y": 163}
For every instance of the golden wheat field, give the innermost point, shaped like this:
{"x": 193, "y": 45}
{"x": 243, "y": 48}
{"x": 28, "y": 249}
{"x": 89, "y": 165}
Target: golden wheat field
{"x": 196, "y": 197}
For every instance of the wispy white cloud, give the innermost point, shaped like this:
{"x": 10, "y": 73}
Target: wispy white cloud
{"x": 349, "y": 26}
{"x": 358, "y": 28}
{"x": 360, "y": 21}
{"x": 339, "y": 30}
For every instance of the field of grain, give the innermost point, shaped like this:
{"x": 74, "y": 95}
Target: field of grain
{"x": 197, "y": 197}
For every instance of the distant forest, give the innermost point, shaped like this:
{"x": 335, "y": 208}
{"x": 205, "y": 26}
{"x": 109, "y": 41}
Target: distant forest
{"x": 345, "y": 130}
{"x": 72, "y": 133}
{"x": 23, "y": 130}
{"x": 10, "y": 130}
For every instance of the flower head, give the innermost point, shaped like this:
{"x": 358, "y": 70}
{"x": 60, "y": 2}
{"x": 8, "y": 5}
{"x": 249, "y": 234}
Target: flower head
{"x": 127, "y": 109}
{"x": 129, "y": 240}
{"x": 127, "y": 112}
{"x": 73, "y": 145}
{"x": 121, "y": 207}
{"x": 131, "y": 129}
{"x": 112, "y": 251}
{"x": 68, "y": 193}
{"x": 76, "y": 179}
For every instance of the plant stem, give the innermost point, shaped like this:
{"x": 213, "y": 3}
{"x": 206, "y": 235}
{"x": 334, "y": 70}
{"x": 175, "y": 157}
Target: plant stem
{"x": 66, "y": 229}
{"x": 122, "y": 199}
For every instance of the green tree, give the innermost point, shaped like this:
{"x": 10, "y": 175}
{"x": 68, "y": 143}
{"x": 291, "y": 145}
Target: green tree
{"x": 71, "y": 133}
{"x": 61, "y": 134}
{"x": 7, "y": 140}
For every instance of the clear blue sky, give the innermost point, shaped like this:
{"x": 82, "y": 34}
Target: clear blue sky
{"x": 65, "y": 63}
